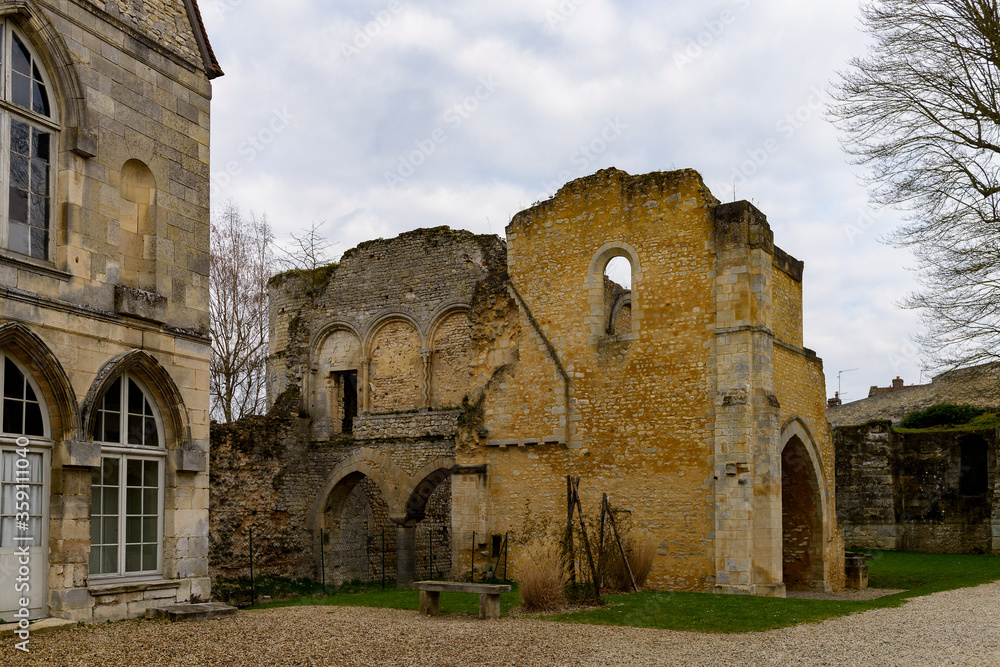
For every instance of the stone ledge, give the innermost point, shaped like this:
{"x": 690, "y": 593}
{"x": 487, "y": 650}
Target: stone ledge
{"x": 140, "y": 303}
{"x": 202, "y": 611}
{"x": 43, "y": 625}
{"x": 133, "y": 587}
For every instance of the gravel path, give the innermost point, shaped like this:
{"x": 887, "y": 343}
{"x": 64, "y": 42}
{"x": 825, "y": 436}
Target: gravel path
{"x": 959, "y": 627}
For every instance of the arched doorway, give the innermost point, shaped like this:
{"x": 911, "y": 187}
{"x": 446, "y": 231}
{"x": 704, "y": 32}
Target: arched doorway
{"x": 801, "y": 519}
{"x": 359, "y": 539}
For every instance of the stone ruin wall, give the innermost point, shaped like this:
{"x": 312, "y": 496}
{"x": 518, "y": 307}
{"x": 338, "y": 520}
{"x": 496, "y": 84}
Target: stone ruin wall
{"x": 635, "y": 413}
{"x": 386, "y": 313}
{"x": 903, "y": 490}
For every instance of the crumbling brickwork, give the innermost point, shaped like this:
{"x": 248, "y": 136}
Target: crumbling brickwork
{"x": 677, "y": 397}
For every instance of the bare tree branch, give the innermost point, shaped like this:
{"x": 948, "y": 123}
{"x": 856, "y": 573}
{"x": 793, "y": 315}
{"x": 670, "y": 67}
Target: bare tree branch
{"x": 242, "y": 262}
{"x": 922, "y": 113}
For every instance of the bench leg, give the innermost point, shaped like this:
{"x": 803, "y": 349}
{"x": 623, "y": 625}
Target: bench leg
{"x": 489, "y": 605}
{"x": 430, "y": 603}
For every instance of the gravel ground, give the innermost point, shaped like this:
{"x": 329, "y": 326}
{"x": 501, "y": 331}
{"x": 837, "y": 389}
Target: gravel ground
{"x": 959, "y": 627}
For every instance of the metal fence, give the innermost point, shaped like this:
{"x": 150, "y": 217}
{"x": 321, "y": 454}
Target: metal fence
{"x": 255, "y": 565}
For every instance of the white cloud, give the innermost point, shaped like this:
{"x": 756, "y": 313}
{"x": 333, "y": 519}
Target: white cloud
{"x": 749, "y": 84}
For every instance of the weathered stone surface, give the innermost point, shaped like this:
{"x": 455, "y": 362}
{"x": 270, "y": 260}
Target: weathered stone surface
{"x": 677, "y": 396}
{"x": 931, "y": 491}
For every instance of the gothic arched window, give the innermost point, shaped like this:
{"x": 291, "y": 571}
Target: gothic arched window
{"x": 28, "y": 131}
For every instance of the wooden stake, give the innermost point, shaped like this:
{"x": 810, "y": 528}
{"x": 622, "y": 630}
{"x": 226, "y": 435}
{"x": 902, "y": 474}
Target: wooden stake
{"x": 570, "y": 552}
{"x": 586, "y": 540}
{"x": 600, "y": 552}
{"x": 628, "y": 568}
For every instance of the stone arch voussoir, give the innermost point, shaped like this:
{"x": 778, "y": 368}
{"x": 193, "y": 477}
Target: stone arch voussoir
{"x": 30, "y": 350}
{"x": 420, "y": 486}
{"x": 156, "y": 378}
{"x": 371, "y": 463}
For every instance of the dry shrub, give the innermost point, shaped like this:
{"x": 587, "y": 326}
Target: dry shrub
{"x": 640, "y": 553}
{"x": 541, "y": 576}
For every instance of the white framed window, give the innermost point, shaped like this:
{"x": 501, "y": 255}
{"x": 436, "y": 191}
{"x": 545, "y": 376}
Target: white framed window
{"x": 28, "y": 130}
{"x": 22, "y": 415}
{"x": 126, "y": 501}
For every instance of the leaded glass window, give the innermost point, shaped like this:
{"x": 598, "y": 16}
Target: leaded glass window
{"x": 27, "y": 130}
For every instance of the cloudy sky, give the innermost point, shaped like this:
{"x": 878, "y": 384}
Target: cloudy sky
{"x": 376, "y": 117}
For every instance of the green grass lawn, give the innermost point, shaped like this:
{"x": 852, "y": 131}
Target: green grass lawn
{"x": 920, "y": 574}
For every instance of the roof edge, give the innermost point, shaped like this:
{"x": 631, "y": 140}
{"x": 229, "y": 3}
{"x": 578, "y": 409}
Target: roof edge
{"x": 212, "y": 67}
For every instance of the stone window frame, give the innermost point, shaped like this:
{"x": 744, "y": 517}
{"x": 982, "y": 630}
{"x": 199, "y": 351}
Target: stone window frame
{"x": 598, "y": 319}
{"x": 10, "y": 111}
{"x": 125, "y": 453}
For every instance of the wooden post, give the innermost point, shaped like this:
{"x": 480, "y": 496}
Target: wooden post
{"x": 600, "y": 553}
{"x": 570, "y": 551}
{"x": 628, "y": 568}
{"x": 586, "y": 540}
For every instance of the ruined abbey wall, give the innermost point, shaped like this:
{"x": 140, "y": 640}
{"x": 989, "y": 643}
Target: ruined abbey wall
{"x": 688, "y": 397}
{"x": 931, "y": 491}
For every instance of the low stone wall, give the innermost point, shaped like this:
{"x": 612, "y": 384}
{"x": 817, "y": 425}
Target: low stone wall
{"x": 910, "y": 490}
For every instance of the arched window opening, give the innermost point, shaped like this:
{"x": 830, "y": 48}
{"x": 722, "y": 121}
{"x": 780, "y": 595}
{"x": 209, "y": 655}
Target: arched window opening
{"x": 136, "y": 213}
{"x": 618, "y": 296}
{"x": 126, "y": 524}
{"x": 27, "y": 128}
{"x": 974, "y": 474}
{"x": 22, "y": 411}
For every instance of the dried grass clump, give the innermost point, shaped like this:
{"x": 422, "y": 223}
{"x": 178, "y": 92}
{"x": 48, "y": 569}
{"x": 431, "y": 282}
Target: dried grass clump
{"x": 541, "y": 576}
{"x": 640, "y": 553}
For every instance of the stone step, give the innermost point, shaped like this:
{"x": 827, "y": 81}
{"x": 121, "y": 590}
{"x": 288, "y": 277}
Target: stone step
{"x": 201, "y": 611}
{"x": 42, "y": 625}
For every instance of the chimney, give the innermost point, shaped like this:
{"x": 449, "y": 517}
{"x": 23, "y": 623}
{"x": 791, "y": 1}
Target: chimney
{"x": 897, "y": 384}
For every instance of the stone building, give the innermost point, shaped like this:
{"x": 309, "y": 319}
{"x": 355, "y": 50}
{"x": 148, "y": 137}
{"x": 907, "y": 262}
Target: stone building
{"x": 441, "y": 361}
{"x": 104, "y": 240}
{"x": 978, "y": 386}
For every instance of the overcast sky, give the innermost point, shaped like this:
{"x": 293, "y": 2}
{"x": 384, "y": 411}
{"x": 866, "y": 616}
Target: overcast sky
{"x": 381, "y": 117}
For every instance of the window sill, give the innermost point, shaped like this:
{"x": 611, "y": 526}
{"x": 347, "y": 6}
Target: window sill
{"x": 35, "y": 265}
{"x": 132, "y": 586}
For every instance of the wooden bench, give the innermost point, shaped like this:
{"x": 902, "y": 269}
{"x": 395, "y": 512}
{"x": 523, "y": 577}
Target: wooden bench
{"x": 489, "y": 596}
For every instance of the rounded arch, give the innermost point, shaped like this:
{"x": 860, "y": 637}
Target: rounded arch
{"x": 441, "y": 314}
{"x": 36, "y": 357}
{"x": 599, "y": 310}
{"x": 366, "y": 462}
{"x": 397, "y": 370}
{"x": 169, "y": 400}
{"x": 623, "y": 301}
{"x": 320, "y": 335}
{"x": 69, "y": 95}
{"x": 419, "y": 487}
{"x": 388, "y": 316}
{"x": 808, "y": 515}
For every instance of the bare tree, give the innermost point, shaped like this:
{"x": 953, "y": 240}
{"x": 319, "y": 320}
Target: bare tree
{"x": 242, "y": 262}
{"x": 922, "y": 112}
